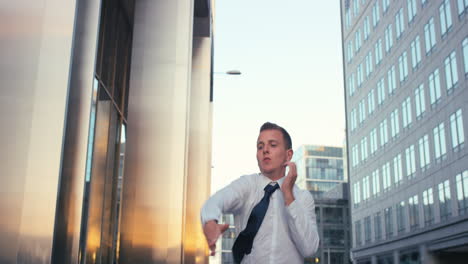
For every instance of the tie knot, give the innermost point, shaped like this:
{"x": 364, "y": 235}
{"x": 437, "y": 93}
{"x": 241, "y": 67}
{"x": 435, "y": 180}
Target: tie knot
{"x": 271, "y": 187}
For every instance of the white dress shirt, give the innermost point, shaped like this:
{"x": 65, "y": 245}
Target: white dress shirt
{"x": 287, "y": 234}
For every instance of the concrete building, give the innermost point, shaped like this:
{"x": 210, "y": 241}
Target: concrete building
{"x": 81, "y": 80}
{"x": 405, "y": 70}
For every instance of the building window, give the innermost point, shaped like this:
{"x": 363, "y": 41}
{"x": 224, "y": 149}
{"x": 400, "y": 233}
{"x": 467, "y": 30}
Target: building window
{"x": 385, "y": 4}
{"x": 434, "y": 87}
{"x": 416, "y": 53}
{"x": 400, "y": 213}
{"x": 371, "y": 101}
{"x": 445, "y": 18}
{"x": 378, "y": 51}
{"x": 365, "y": 188}
{"x": 353, "y": 119}
{"x": 357, "y": 193}
{"x": 366, "y": 28}
{"x": 462, "y": 6}
{"x": 394, "y": 124}
{"x": 411, "y": 10}
{"x": 451, "y": 71}
{"x": 465, "y": 54}
{"x": 424, "y": 156}
{"x": 362, "y": 111}
{"x": 410, "y": 161}
{"x": 444, "y": 200}
{"x": 399, "y": 23}
{"x": 373, "y": 140}
{"x": 406, "y": 112}
{"x": 356, "y": 7}
{"x": 348, "y": 19}
{"x": 391, "y": 80}
{"x": 387, "y": 181}
{"x": 383, "y": 133}
{"x": 364, "y": 148}
{"x": 367, "y": 229}
{"x": 403, "y": 66}
{"x": 380, "y": 92}
{"x": 388, "y": 222}
{"x": 413, "y": 206}
{"x": 357, "y": 40}
{"x": 375, "y": 183}
{"x": 349, "y": 51}
{"x": 419, "y": 99}
{"x": 352, "y": 87}
{"x": 360, "y": 76}
{"x": 397, "y": 169}
{"x": 355, "y": 157}
{"x": 377, "y": 227}
{"x": 429, "y": 36}
{"x": 462, "y": 192}
{"x": 375, "y": 14}
{"x": 369, "y": 65}
{"x": 456, "y": 129}
{"x": 440, "y": 148}
{"x": 428, "y": 206}
{"x": 358, "y": 232}
{"x": 388, "y": 38}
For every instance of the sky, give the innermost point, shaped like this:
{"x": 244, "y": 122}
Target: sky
{"x": 290, "y": 56}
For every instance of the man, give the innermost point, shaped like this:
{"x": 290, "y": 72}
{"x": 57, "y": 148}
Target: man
{"x": 277, "y": 219}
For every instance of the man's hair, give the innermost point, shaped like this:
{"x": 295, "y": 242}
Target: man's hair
{"x": 273, "y": 126}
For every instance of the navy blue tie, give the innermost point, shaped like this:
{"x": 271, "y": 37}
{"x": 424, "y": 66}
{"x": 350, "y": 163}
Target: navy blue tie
{"x": 243, "y": 244}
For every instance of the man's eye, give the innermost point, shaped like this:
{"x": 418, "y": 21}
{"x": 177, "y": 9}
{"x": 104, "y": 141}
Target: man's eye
{"x": 259, "y": 147}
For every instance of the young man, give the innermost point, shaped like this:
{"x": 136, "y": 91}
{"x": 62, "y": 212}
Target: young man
{"x": 274, "y": 219}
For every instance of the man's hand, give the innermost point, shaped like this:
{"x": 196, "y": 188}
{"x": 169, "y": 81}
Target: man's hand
{"x": 212, "y": 231}
{"x": 288, "y": 183}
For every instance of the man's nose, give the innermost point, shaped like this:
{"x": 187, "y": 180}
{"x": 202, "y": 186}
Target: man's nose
{"x": 266, "y": 149}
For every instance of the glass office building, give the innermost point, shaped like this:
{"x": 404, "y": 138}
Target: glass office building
{"x": 106, "y": 130}
{"x": 405, "y": 70}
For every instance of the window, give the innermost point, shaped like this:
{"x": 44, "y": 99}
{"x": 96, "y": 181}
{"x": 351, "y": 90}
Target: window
{"x": 362, "y": 111}
{"x": 357, "y": 40}
{"x": 355, "y": 158}
{"x": 406, "y": 112}
{"x": 413, "y": 206}
{"x": 439, "y": 142}
{"x": 351, "y": 85}
{"x": 410, "y": 161}
{"x": 434, "y": 87}
{"x": 377, "y": 227}
{"x": 465, "y": 54}
{"x": 371, "y": 101}
{"x": 388, "y": 38}
{"x": 358, "y": 232}
{"x": 367, "y": 229}
{"x": 385, "y": 4}
{"x": 373, "y": 141}
{"x": 349, "y": 51}
{"x": 429, "y": 35}
{"x": 378, "y": 51}
{"x": 400, "y": 213}
{"x": 360, "y": 76}
{"x": 366, "y": 28}
{"x": 419, "y": 99}
{"x": 355, "y": 7}
{"x": 428, "y": 206}
{"x": 387, "y": 181}
{"x": 375, "y": 182}
{"x": 363, "y": 148}
{"x": 399, "y": 23}
{"x": 375, "y": 14}
{"x": 451, "y": 71}
{"x": 365, "y": 188}
{"x": 444, "y": 200}
{"x": 369, "y": 66}
{"x": 353, "y": 119}
{"x": 391, "y": 80}
{"x": 356, "y": 193}
{"x": 348, "y": 19}
{"x": 462, "y": 6}
{"x": 462, "y": 192}
{"x": 415, "y": 53}
{"x": 383, "y": 132}
{"x": 394, "y": 124}
{"x": 388, "y": 222}
{"x": 424, "y": 156}
{"x": 380, "y": 92}
{"x": 411, "y": 10}
{"x": 403, "y": 66}
{"x": 445, "y": 18}
{"x": 456, "y": 129}
{"x": 397, "y": 169}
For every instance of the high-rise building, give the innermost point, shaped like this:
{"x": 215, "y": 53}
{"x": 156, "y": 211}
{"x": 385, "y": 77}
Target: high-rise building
{"x": 105, "y": 109}
{"x": 405, "y": 69}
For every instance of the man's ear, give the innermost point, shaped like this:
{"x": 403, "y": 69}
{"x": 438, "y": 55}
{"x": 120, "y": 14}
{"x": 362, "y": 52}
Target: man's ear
{"x": 289, "y": 154}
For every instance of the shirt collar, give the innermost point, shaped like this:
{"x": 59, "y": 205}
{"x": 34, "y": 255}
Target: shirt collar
{"x": 266, "y": 180}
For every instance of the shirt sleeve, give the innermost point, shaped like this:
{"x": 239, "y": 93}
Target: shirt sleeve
{"x": 230, "y": 199}
{"x": 302, "y": 223}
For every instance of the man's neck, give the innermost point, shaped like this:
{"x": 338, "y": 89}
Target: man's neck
{"x": 275, "y": 176}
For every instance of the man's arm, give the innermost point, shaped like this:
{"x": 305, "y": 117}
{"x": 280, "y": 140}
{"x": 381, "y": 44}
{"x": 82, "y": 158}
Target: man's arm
{"x": 228, "y": 200}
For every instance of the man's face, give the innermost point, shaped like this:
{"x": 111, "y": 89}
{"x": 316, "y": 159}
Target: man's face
{"x": 271, "y": 151}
